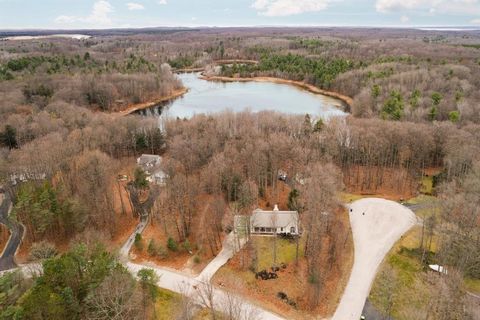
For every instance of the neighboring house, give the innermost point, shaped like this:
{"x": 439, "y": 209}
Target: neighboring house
{"x": 151, "y": 165}
{"x": 270, "y": 222}
{"x": 25, "y": 176}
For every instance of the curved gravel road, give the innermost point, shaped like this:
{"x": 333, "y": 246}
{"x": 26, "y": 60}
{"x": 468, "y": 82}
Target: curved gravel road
{"x": 376, "y": 225}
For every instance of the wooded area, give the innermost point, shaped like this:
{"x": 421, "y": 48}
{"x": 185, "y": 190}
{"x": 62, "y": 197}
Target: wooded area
{"x": 62, "y": 146}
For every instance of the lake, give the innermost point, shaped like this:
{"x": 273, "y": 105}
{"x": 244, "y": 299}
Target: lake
{"x": 212, "y": 96}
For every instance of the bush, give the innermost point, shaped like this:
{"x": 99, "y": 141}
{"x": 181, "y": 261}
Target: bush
{"x": 42, "y": 250}
{"x": 138, "y": 242}
{"x": 152, "y": 248}
{"x": 196, "y": 259}
{"x": 186, "y": 246}
{"x": 171, "y": 244}
{"x": 162, "y": 252}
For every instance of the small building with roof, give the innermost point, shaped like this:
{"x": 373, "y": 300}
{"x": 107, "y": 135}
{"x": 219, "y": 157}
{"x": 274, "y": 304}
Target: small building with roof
{"x": 269, "y": 222}
{"x": 151, "y": 165}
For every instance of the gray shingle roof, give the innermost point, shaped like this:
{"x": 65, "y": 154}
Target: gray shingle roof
{"x": 273, "y": 219}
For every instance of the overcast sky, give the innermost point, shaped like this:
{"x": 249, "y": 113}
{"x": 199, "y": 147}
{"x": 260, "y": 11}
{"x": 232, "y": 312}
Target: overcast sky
{"x": 71, "y": 14}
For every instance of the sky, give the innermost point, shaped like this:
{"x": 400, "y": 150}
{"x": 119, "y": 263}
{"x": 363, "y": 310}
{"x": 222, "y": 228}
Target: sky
{"x": 98, "y": 14}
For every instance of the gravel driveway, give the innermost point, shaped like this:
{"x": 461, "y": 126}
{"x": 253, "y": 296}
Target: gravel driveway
{"x": 376, "y": 225}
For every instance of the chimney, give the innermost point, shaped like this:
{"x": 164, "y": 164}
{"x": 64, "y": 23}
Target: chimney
{"x": 275, "y": 208}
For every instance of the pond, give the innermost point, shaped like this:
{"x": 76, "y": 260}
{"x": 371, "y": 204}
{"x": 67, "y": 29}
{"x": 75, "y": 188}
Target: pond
{"x": 212, "y": 96}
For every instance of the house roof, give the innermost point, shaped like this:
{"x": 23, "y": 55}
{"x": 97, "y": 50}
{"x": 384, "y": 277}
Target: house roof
{"x": 147, "y": 158}
{"x": 273, "y": 219}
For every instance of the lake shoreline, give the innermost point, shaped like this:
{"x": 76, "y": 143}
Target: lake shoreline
{"x": 347, "y": 101}
{"x": 305, "y": 86}
{"x": 146, "y": 105}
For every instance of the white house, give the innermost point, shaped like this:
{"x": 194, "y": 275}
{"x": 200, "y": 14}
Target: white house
{"x": 151, "y": 165}
{"x": 270, "y": 222}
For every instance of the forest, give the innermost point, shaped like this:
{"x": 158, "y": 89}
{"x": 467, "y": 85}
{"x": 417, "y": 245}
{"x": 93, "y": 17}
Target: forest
{"x": 64, "y": 146}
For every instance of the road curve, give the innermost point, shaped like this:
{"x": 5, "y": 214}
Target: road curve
{"x": 7, "y": 258}
{"x": 376, "y": 225}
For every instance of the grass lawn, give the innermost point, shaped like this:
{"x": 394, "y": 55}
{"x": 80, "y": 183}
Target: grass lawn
{"x": 423, "y": 198}
{"x": 351, "y": 197}
{"x": 427, "y": 185}
{"x": 286, "y": 251}
{"x": 403, "y": 271}
{"x": 165, "y": 304}
{"x": 473, "y": 285}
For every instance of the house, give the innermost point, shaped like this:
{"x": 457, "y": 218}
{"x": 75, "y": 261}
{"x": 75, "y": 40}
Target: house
{"x": 151, "y": 165}
{"x": 149, "y": 161}
{"x": 270, "y": 222}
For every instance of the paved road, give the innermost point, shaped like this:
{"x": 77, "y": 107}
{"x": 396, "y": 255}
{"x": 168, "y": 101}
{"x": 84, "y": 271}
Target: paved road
{"x": 376, "y": 225}
{"x": 7, "y": 259}
{"x": 179, "y": 282}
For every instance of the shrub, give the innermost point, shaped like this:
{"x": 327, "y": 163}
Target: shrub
{"x": 186, "y": 246}
{"x": 42, "y": 250}
{"x": 161, "y": 251}
{"x": 152, "y": 248}
{"x": 138, "y": 242}
{"x": 454, "y": 116}
{"x": 196, "y": 259}
{"x": 171, "y": 244}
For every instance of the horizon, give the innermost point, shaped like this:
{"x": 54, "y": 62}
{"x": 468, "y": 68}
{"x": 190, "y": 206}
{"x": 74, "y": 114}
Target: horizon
{"x": 416, "y": 27}
{"x": 140, "y": 14}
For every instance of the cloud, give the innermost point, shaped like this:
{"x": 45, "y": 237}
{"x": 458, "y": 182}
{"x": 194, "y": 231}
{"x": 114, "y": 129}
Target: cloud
{"x": 162, "y": 1}
{"x": 404, "y": 19}
{"x": 99, "y": 17}
{"x": 475, "y": 21}
{"x": 429, "y": 6}
{"x": 135, "y": 6}
{"x": 277, "y": 8}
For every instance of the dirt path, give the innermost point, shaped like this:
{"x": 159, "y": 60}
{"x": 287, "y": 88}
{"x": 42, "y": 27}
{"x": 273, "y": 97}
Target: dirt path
{"x": 376, "y": 225}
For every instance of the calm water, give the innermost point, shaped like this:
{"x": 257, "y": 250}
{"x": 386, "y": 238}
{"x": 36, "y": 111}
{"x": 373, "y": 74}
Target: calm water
{"x": 210, "y": 97}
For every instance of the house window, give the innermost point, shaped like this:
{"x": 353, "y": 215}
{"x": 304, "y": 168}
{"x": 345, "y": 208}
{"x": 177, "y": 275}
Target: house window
{"x": 257, "y": 229}
{"x": 262, "y": 229}
{"x": 281, "y": 229}
{"x": 292, "y": 230}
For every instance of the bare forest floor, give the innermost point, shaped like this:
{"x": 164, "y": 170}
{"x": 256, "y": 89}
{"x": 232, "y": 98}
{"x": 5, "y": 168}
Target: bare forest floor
{"x": 388, "y": 183}
{"x": 4, "y": 235}
{"x": 191, "y": 256}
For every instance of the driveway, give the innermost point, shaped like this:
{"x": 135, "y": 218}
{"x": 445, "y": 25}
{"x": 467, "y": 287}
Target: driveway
{"x": 229, "y": 248}
{"x": 182, "y": 283}
{"x": 376, "y": 225}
